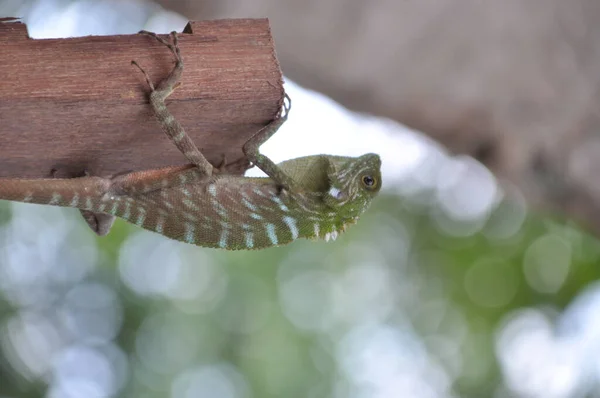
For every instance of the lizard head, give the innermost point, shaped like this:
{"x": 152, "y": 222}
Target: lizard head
{"x": 353, "y": 183}
{"x": 345, "y": 185}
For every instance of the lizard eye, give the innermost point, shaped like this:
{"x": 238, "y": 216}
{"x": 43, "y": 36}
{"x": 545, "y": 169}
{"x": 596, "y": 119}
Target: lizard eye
{"x": 369, "y": 181}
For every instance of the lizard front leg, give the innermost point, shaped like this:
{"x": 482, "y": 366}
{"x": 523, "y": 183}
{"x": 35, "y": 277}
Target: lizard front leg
{"x": 169, "y": 124}
{"x": 251, "y": 150}
{"x": 184, "y": 143}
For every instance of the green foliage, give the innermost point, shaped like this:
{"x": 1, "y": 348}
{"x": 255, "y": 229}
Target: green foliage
{"x": 290, "y": 321}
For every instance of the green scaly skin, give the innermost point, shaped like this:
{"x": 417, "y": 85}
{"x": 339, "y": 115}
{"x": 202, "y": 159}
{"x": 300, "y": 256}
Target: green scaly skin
{"x": 308, "y": 197}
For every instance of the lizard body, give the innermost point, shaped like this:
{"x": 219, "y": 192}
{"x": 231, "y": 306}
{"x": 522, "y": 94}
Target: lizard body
{"x": 309, "y": 197}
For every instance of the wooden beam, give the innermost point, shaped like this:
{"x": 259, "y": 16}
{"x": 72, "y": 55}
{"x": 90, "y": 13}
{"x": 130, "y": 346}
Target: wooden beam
{"x": 78, "y": 104}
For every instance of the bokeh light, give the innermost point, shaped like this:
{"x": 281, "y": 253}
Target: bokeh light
{"x": 449, "y": 286}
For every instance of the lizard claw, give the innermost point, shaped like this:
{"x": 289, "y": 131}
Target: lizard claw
{"x": 286, "y": 107}
{"x": 174, "y": 47}
{"x": 145, "y": 74}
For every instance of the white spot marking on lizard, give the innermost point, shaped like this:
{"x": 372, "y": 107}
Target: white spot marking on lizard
{"x": 246, "y": 227}
{"x": 127, "y": 212}
{"x": 100, "y": 208}
{"x": 327, "y": 237}
{"x": 28, "y": 197}
{"x": 186, "y": 192}
{"x": 182, "y": 178}
{"x": 249, "y": 205}
{"x": 256, "y": 216}
{"x": 55, "y": 198}
{"x": 282, "y": 206}
{"x": 160, "y": 223}
{"x": 190, "y": 217}
{"x": 190, "y": 204}
{"x": 190, "y": 232}
{"x": 168, "y": 204}
{"x": 219, "y": 208}
{"x": 88, "y": 203}
{"x": 259, "y": 192}
{"x": 335, "y": 192}
{"x": 191, "y": 154}
{"x": 316, "y": 229}
{"x": 271, "y": 233}
{"x": 212, "y": 190}
{"x": 169, "y": 119}
{"x": 179, "y": 135}
{"x": 223, "y": 239}
{"x": 249, "y": 240}
{"x": 114, "y": 209}
{"x": 75, "y": 201}
{"x": 141, "y": 217}
{"x": 334, "y": 234}
{"x": 306, "y": 209}
{"x": 291, "y": 223}
{"x": 344, "y": 173}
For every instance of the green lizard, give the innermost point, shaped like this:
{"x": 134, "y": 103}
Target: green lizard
{"x": 308, "y": 197}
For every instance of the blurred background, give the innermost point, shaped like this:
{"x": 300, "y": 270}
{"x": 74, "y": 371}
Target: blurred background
{"x": 474, "y": 273}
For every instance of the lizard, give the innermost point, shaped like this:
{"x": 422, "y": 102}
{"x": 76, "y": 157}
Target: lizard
{"x": 312, "y": 197}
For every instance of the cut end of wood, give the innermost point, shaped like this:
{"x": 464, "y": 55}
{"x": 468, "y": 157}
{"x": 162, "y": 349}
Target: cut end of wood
{"x": 11, "y": 28}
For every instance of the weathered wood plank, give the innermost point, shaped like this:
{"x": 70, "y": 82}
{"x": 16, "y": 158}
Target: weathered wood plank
{"x": 78, "y": 104}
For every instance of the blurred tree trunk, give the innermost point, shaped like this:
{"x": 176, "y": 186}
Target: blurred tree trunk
{"x": 513, "y": 83}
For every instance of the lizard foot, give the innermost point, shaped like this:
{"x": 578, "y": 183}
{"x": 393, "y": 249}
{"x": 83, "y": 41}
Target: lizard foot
{"x": 172, "y": 82}
{"x": 100, "y": 223}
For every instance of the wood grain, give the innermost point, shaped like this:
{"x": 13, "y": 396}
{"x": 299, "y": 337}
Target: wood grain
{"x": 78, "y": 104}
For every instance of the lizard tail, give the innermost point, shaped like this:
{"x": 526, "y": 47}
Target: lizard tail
{"x": 83, "y": 193}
